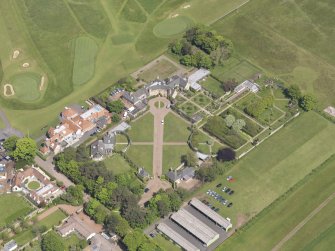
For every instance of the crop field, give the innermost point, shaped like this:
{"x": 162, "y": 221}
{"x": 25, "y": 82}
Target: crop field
{"x": 276, "y": 165}
{"x": 273, "y": 225}
{"x": 84, "y": 60}
{"x": 45, "y": 32}
{"x": 271, "y": 34}
{"x": 19, "y": 208}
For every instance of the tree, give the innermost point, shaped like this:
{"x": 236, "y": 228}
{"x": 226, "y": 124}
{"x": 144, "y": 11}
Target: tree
{"x": 10, "y": 143}
{"x": 115, "y": 223}
{"x": 134, "y": 240}
{"x": 74, "y": 195}
{"x": 190, "y": 158}
{"x": 230, "y": 120}
{"x": 52, "y": 242}
{"x": 308, "y": 102}
{"x": 238, "y": 125}
{"x": 115, "y": 106}
{"x": 293, "y": 92}
{"x": 229, "y": 85}
{"x": 25, "y": 150}
{"x": 225, "y": 154}
{"x": 205, "y": 174}
{"x": 116, "y": 118}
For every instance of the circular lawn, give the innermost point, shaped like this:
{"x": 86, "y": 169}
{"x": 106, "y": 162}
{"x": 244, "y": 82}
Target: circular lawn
{"x": 172, "y": 26}
{"x": 26, "y": 86}
{"x": 33, "y": 185}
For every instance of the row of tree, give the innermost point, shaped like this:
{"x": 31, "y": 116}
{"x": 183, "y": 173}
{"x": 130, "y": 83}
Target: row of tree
{"x": 202, "y": 47}
{"x": 307, "y": 102}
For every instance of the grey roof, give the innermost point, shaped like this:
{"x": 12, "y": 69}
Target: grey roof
{"x": 176, "y": 237}
{"x": 98, "y": 149}
{"x": 177, "y": 81}
{"x": 218, "y": 219}
{"x": 11, "y": 245}
{"x": 196, "y": 227}
{"x": 186, "y": 173}
{"x": 109, "y": 141}
{"x": 102, "y": 122}
{"x": 198, "y": 75}
{"x": 143, "y": 173}
{"x": 120, "y": 127}
{"x": 247, "y": 85}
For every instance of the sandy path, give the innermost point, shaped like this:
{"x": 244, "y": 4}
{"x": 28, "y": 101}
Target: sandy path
{"x": 303, "y": 222}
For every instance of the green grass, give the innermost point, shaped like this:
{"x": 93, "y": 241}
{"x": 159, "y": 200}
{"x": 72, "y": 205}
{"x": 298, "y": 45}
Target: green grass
{"x": 142, "y": 129}
{"x": 278, "y": 163}
{"x": 142, "y": 156}
{"x": 2, "y": 124}
{"x": 175, "y": 128}
{"x": 273, "y": 224}
{"x": 201, "y": 99}
{"x": 26, "y": 86}
{"x": 19, "y": 207}
{"x": 150, "y": 5}
{"x": 33, "y": 185}
{"x": 172, "y": 26}
{"x": 132, "y": 12}
{"x": 50, "y": 221}
{"x": 162, "y": 69}
{"x": 271, "y": 35}
{"x": 84, "y": 60}
{"x": 117, "y": 164}
{"x": 172, "y": 156}
{"x": 213, "y": 86}
{"x": 165, "y": 244}
{"x": 189, "y": 108}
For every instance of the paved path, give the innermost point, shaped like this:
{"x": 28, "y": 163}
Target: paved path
{"x": 49, "y": 167}
{"x": 303, "y": 222}
{"x": 8, "y": 130}
{"x": 164, "y": 143}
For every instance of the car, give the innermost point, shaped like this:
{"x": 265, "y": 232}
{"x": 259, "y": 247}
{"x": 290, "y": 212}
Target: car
{"x": 230, "y": 204}
{"x": 217, "y": 209}
{"x": 219, "y": 185}
{"x": 227, "y": 190}
{"x": 224, "y": 189}
{"x": 231, "y": 192}
{"x": 162, "y": 122}
{"x": 146, "y": 190}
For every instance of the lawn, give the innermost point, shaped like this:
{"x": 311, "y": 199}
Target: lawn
{"x": 175, "y": 128}
{"x": 201, "y": 99}
{"x": 161, "y": 69}
{"x": 189, "y": 108}
{"x": 19, "y": 207}
{"x": 213, "y": 86}
{"x": 50, "y": 221}
{"x": 165, "y": 244}
{"x": 172, "y": 156}
{"x": 142, "y": 156}
{"x": 117, "y": 164}
{"x": 84, "y": 60}
{"x": 26, "y": 86}
{"x": 33, "y": 185}
{"x": 172, "y": 26}
{"x": 205, "y": 144}
{"x": 271, "y": 34}
{"x": 142, "y": 129}
{"x": 272, "y": 225}
{"x": 277, "y": 164}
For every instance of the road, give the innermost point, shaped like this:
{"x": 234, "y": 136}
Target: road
{"x": 49, "y": 167}
{"x": 303, "y": 222}
{"x": 8, "y": 130}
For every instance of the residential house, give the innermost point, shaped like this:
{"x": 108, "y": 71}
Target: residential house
{"x": 102, "y": 148}
{"x": 75, "y": 122}
{"x": 6, "y": 176}
{"x": 143, "y": 174}
{"x": 176, "y": 176}
{"x": 74, "y": 225}
{"x": 46, "y": 191}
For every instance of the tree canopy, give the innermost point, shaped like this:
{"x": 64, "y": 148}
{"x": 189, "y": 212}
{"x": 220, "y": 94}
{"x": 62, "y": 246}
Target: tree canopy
{"x": 52, "y": 242}
{"x": 25, "y": 149}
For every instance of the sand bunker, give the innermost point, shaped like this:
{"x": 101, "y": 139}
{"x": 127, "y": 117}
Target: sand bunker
{"x": 8, "y": 90}
{"x": 175, "y": 15}
{"x": 187, "y": 6}
{"x": 42, "y": 83}
{"x": 25, "y": 65}
{"x": 16, "y": 53}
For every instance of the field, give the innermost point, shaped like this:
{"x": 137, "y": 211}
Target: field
{"x": 165, "y": 244}
{"x": 271, "y": 35}
{"x": 161, "y": 69}
{"x": 117, "y": 164}
{"x": 142, "y": 129}
{"x": 172, "y": 156}
{"x": 142, "y": 156}
{"x": 272, "y": 225}
{"x": 172, "y": 26}
{"x": 19, "y": 207}
{"x": 276, "y": 165}
{"x": 175, "y": 129}
{"x": 84, "y": 60}
{"x": 45, "y": 32}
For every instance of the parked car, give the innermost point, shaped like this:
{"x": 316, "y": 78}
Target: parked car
{"x": 146, "y": 190}
{"x": 231, "y": 192}
{"x": 219, "y": 185}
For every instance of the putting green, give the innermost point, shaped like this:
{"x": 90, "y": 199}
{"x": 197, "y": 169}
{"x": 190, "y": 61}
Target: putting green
{"x": 33, "y": 185}
{"x": 172, "y": 26}
{"x": 26, "y": 86}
